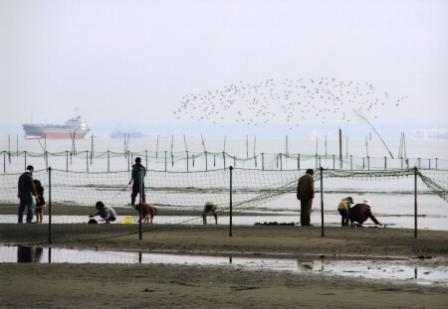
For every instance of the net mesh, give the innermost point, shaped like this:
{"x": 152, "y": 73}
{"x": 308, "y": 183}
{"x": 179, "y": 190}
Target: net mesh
{"x": 187, "y": 192}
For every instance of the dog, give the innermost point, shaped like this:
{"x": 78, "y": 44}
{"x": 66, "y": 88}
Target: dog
{"x": 147, "y": 212}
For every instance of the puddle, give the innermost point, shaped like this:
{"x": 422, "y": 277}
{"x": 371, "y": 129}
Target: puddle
{"x": 396, "y": 270}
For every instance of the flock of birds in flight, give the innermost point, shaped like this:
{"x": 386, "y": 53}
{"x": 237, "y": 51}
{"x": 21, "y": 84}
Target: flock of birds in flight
{"x": 289, "y": 101}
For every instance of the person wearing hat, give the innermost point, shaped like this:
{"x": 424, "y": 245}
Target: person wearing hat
{"x": 108, "y": 214}
{"x": 359, "y": 213}
{"x": 343, "y": 209}
{"x": 27, "y": 195}
{"x": 138, "y": 180}
{"x": 210, "y": 207}
{"x": 305, "y": 193}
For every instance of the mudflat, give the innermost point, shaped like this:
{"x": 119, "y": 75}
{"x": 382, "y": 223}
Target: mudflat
{"x": 167, "y": 286}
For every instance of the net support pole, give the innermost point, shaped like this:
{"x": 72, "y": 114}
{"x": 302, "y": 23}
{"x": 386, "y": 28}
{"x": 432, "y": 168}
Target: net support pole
{"x": 415, "y": 202}
{"x": 87, "y": 161}
{"x": 24, "y": 158}
{"x": 146, "y": 158}
{"x": 322, "y": 232}
{"x": 224, "y": 159}
{"x": 4, "y": 161}
{"x": 262, "y": 161}
{"x": 340, "y": 148}
{"x": 166, "y": 166}
{"x": 281, "y": 162}
{"x": 230, "y": 203}
{"x": 188, "y": 168}
{"x": 140, "y": 210}
{"x": 108, "y": 161}
{"x": 49, "y": 206}
{"x": 66, "y": 161}
{"x": 206, "y": 160}
{"x": 298, "y": 161}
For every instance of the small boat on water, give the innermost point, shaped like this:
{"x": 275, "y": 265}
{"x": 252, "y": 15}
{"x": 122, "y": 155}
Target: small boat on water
{"x": 73, "y": 128}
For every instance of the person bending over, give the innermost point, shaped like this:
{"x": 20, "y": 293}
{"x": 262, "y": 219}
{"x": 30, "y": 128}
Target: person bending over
{"x": 359, "y": 213}
{"x": 210, "y": 207}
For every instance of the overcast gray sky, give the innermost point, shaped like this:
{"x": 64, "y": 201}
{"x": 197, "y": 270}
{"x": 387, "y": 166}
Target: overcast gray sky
{"x": 131, "y": 63}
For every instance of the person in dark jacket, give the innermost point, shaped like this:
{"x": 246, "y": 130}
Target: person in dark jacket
{"x": 138, "y": 180}
{"x": 27, "y": 195}
{"x": 305, "y": 193}
{"x": 212, "y": 208}
{"x": 40, "y": 201}
{"x": 359, "y": 213}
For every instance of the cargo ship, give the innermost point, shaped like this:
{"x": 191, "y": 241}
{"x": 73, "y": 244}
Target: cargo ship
{"x": 73, "y": 128}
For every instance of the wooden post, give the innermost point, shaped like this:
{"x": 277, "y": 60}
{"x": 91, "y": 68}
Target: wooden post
{"x": 49, "y": 205}
{"x": 368, "y": 163}
{"x": 351, "y": 162}
{"x": 281, "y": 162}
{"x": 415, "y": 202}
{"x": 146, "y": 158}
{"x": 188, "y": 168}
{"x": 230, "y": 205}
{"x": 340, "y": 148}
{"x": 66, "y": 160}
{"x": 206, "y": 160}
{"x": 166, "y": 166}
{"x": 24, "y": 158}
{"x": 298, "y": 161}
{"x": 385, "y": 163}
{"x": 322, "y": 232}
{"x": 108, "y": 161}
{"x": 262, "y": 161}
{"x": 87, "y": 161}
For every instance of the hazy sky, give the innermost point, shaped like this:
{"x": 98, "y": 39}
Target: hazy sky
{"x": 130, "y": 64}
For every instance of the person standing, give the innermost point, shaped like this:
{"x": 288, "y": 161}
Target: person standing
{"x": 138, "y": 180}
{"x": 27, "y": 195}
{"x": 305, "y": 193}
{"x": 40, "y": 201}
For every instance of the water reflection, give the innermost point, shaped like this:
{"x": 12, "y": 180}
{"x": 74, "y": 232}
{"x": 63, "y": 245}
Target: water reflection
{"x": 394, "y": 270}
{"x": 29, "y": 254}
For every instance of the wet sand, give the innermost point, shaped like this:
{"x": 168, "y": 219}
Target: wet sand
{"x": 163, "y": 286}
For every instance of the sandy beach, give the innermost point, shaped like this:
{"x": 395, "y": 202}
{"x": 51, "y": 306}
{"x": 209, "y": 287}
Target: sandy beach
{"x": 185, "y": 286}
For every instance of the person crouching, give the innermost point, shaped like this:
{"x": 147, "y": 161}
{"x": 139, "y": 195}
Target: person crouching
{"x": 210, "y": 207}
{"x": 106, "y": 213}
{"x": 343, "y": 209}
